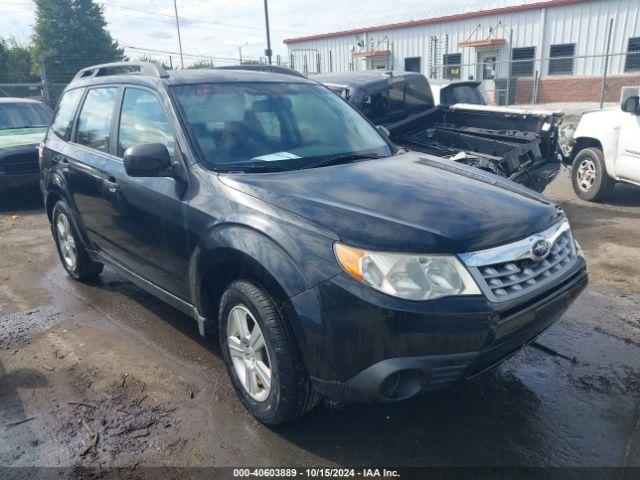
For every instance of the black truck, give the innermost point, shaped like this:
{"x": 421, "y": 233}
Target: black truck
{"x": 517, "y": 144}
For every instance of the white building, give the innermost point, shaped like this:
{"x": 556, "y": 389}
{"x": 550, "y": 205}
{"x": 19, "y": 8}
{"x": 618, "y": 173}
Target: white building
{"x": 552, "y": 40}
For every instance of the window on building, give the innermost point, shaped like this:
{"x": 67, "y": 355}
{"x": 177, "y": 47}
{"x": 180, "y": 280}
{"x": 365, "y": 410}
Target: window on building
{"x": 632, "y": 63}
{"x": 522, "y": 65}
{"x": 452, "y": 63}
{"x": 412, "y": 64}
{"x": 94, "y": 122}
{"x": 560, "y": 63}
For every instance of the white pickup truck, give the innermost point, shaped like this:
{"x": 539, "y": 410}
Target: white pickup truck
{"x": 606, "y": 148}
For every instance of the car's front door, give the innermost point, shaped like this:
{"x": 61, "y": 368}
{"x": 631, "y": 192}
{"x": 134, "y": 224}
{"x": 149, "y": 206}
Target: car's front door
{"x": 627, "y": 165}
{"x": 146, "y": 229}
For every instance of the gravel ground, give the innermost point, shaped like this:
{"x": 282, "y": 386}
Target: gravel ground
{"x": 105, "y": 375}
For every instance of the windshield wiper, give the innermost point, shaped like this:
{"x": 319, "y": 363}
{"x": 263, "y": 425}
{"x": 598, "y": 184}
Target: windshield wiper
{"x": 340, "y": 159}
{"x": 252, "y": 167}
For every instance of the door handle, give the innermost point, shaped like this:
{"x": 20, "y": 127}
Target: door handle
{"x": 111, "y": 184}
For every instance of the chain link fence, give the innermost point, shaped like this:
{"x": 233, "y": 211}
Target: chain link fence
{"x": 507, "y": 77}
{"x": 47, "y": 80}
{"x": 519, "y": 79}
{"x": 596, "y": 79}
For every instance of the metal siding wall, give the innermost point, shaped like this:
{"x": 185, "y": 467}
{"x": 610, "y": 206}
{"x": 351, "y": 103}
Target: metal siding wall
{"x": 584, "y": 24}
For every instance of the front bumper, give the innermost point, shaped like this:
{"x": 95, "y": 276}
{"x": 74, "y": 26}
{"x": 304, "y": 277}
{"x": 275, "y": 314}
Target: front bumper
{"x": 19, "y": 167}
{"x": 8, "y": 182}
{"x": 364, "y": 346}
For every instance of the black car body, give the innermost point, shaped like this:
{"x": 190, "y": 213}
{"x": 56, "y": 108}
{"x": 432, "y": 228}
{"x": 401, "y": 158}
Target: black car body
{"x": 288, "y": 226}
{"x": 517, "y": 144}
{"x": 23, "y": 124}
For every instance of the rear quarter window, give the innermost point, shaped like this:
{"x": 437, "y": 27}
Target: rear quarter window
{"x": 63, "y": 120}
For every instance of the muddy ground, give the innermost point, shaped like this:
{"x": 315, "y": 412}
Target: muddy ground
{"x": 103, "y": 374}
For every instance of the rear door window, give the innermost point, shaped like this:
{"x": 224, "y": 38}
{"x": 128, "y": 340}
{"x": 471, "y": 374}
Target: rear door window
{"x": 63, "y": 121}
{"x": 143, "y": 120}
{"x": 94, "y": 122}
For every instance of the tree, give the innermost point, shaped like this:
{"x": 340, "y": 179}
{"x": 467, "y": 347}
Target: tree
{"x": 16, "y": 64}
{"x": 159, "y": 61}
{"x": 201, "y": 64}
{"x": 70, "y": 35}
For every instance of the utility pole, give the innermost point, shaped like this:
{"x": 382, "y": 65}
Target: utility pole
{"x": 240, "y": 52}
{"x": 175, "y": 6}
{"x": 268, "y": 51}
{"x": 606, "y": 65}
{"x": 45, "y": 82}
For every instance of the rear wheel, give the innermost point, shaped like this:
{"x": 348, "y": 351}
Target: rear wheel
{"x": 261, "y": 359}
{"x": 75, "y": 259}
{"x": 589, "y": 175}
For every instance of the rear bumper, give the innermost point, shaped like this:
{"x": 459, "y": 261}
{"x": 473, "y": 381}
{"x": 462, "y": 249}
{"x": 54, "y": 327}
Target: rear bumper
{"x": 400, "y": 378}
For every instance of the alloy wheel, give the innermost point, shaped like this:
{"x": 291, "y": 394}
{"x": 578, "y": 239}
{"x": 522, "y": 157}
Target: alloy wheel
{"x": 66, "y": 241}
{"x": 249, "y": 353}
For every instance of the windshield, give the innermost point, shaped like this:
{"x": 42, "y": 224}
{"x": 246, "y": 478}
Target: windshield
{"x": 275, "y": 125}
{"x": 23, "y": 115}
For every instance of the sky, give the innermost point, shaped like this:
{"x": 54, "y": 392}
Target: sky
{"x": 220, "y": 29}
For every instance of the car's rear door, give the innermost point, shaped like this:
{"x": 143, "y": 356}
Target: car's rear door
{"x": 145, "y": 227}
{"x": 78, "y": 147}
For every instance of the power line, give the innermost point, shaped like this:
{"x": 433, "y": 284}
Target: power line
{"x": 171, "y": 17}
{"x": 197, "y": 20}
{"x": 169, "y": 52}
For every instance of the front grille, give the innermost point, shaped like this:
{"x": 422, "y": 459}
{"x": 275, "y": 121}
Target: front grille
{"x": 509, "y": 278}
{"x": 508, "y": 272}
{"x": 20, "y": 163}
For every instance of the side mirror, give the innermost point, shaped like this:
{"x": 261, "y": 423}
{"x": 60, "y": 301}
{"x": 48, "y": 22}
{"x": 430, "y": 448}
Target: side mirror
{"x": 631, "y": 105}
{"x": 148, "y": 160}
{"x": 384, "y": 131}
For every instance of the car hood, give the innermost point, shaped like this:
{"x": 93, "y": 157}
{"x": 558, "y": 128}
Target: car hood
{"x": 21, "y": 136}
{"x": 409, "y": 203}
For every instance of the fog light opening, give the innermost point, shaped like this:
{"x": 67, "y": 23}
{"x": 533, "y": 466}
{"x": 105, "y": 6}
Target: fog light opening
{"x": 402, "y": 384}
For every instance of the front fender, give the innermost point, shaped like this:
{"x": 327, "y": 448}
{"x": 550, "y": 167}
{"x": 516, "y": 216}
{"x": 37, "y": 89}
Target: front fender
{"x": 280, "y": 270}
{"x": 245, "y": 246}
{"x": 604, "y": 127}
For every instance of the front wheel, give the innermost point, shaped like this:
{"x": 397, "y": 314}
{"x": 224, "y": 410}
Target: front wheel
{"x": 589, "y": 175}
{"x": 262, "y": 361}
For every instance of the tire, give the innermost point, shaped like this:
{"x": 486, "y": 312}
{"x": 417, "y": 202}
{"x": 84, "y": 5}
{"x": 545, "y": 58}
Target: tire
{"x": 289, "y": 394}
{"x": 589, "y": 176}
{"x": 75, "y": 259}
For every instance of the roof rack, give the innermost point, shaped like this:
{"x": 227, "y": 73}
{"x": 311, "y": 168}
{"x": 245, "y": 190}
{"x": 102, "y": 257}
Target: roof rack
{"x": 263, "y": 68}
{"x": 119, "y": 68}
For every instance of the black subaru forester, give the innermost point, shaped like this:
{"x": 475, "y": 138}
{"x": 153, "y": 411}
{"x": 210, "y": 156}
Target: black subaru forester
{"x": 328, "y": 262}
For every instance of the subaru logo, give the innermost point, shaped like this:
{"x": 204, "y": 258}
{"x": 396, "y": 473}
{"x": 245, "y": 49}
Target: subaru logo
{"x": 540, "y": 249}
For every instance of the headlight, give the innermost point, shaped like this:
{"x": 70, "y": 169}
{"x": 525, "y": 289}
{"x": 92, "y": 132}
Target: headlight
{"x": 408, "y": 276}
